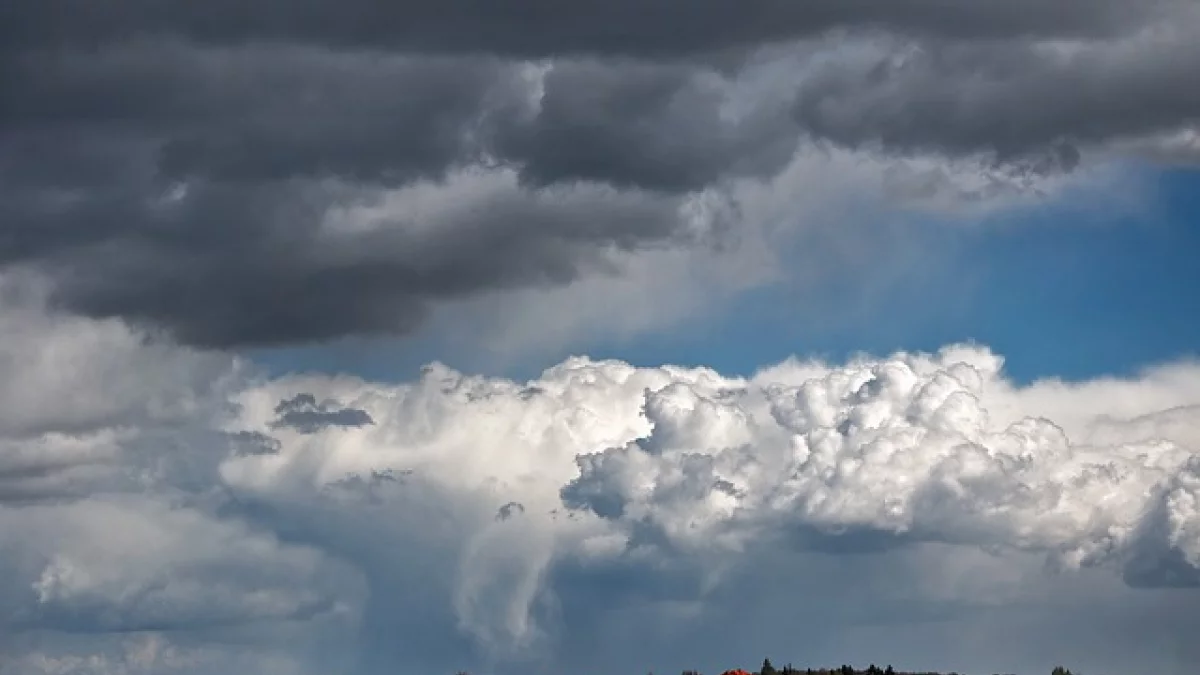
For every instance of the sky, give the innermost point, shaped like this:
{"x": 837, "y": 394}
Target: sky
{"x": 598, "y": 337}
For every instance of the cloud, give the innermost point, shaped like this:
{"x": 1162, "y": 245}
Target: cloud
{"x": 509, "y": 510}
{"x": 304, "y": 414}
{"x": 54, "y": 380}
{"x": 144, "y": 653}
{"x": 147, "y": 653}
{"x": 230, "y": 179}
{"x": 190, "y": 572}
{"x": 883, "y": 455}
{"x": 377, "y": 274}
{"x": 55, "y": 465}
{"x": 196, "y": 175}
{"x": 701, "y": 505}
{"x": 627, "y": 476}
{"x": 175, "y": 178}
{"x": 662, "y": 127}
{"x": 254, "y": 443}
{"x": 666, "y": 27}
{"x": 488, "y": 523}
{"x": 1034, "y": 101}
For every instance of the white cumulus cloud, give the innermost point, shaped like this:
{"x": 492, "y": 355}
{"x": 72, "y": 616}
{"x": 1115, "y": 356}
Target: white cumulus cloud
{"x": 468, "y": 521}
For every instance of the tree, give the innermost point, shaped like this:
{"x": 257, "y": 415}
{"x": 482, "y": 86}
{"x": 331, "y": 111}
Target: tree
{"x": 767, "y": 668}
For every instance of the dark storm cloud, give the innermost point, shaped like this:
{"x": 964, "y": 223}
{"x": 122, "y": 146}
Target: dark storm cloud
{"x": 1011, "y": 100}
{"x": 186, "y": 189}
{"x": 257, "y": 114}
{"x": 644, "y": 126}
{"x": 178, "y": 164}
{"x": 541, "y": 28}
{"x": 232, "y": 266}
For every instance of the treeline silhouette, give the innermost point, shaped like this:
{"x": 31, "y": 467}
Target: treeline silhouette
{"x": 769, "y": 669}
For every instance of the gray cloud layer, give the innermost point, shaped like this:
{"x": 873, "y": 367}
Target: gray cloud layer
{"x": 246, "y": 174}
{"x": 535, "y": 28}
{"x": 1012, "y": 99}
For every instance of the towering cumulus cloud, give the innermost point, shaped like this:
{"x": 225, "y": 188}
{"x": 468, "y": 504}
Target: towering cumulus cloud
{"x": 208, "y": 518}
